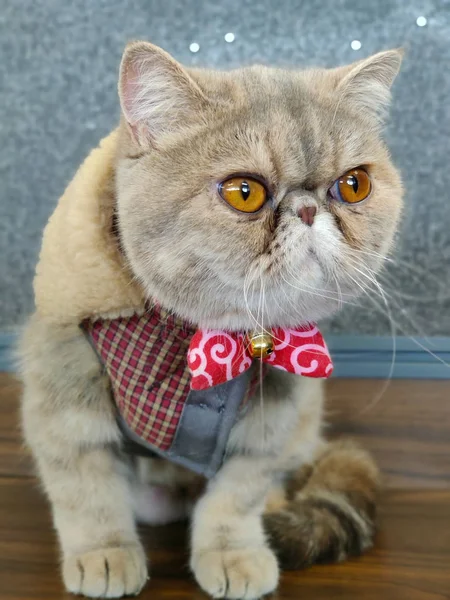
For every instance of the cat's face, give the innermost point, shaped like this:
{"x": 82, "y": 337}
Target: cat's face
{"x": 282, "y": 243}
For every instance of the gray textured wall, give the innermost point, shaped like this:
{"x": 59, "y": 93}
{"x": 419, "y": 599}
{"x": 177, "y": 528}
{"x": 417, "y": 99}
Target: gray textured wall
{"x": 58, "y": 72}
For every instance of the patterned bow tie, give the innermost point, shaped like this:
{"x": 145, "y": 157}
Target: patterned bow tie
{"x": 215, "y": 357}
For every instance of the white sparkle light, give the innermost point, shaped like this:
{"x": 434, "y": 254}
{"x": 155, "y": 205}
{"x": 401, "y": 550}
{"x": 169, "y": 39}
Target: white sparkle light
{"x": 229, "y": 37}
{"x": 194, "y": 47}
{"x": 421, "y": 21}
{"x": 356, "y": 45}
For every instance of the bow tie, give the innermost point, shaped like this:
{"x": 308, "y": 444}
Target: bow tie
{"x": 215, "y": 357}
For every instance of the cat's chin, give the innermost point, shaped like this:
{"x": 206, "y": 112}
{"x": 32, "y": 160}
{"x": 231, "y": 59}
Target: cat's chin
{"x": 245, "y": 319}
{"x": 237, "y": 321}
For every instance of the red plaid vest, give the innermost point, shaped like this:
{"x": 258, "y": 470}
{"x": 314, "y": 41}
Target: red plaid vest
{"x": 146, "y": 360}
{"x": 145, "y": 357}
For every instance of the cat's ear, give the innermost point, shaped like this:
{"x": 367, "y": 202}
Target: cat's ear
{"x": 157, "y": 95}
{"x": 367, "y": 83}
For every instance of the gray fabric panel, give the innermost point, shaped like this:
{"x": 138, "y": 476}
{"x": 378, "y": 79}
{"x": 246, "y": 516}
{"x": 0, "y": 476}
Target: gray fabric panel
{"x": 58, "y": 97}
{"x": 205, "y": 425}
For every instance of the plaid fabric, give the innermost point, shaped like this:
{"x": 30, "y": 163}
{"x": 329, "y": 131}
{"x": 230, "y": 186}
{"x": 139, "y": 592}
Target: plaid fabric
{"x": 145, "y": 358}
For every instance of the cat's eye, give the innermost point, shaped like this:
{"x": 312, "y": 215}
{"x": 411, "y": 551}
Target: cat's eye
{"x": 243, "y": 193}
{"x": 353, "y": 187}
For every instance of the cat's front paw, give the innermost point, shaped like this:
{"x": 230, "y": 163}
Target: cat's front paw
{"x": 247, "y": 573}
{"x": 106, "y": 572}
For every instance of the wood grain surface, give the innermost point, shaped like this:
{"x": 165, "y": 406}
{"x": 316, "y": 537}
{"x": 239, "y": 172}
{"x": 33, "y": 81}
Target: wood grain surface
{"x": 408, "y": 430}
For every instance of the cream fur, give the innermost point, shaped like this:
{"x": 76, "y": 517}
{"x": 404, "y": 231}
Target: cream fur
{"x": 80, "y": 272}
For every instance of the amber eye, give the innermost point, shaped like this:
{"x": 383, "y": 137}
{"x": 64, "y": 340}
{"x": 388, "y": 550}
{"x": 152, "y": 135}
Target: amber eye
{"x": 354, "y": 186}
{"x": 243, "y": 193}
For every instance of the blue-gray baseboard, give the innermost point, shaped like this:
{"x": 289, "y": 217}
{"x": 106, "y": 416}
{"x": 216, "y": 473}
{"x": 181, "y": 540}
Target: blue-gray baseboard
{"x": 7, "y": 342}
{"x": 353, "y": 356}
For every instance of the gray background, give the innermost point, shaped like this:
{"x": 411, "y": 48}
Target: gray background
{"x": 58, "y": 71}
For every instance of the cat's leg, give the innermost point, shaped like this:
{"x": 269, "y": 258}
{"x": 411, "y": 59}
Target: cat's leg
{"x": 69, "y": 424}
{"x": 230, "y": 557}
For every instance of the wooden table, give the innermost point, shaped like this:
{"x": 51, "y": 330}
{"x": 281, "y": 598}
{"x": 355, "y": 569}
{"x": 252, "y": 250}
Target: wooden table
{"x": 408, "y": 430}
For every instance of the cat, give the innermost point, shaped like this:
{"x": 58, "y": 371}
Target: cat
{"x": 253, "y": 198}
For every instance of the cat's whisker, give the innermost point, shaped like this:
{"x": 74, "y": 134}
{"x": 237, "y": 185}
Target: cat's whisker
{"x": 420, "y": 297}
{"x": 289, "y": 301}
{"x": 402, "y": 311}
{"x": 245, "y": 294}
{"x": 247, "y": 306}
{"x": 369, "y": 274}
{"x": 310, "y": 290}
{"x": 396, "y": 326}
{"x": 419, "y": 344}
{"x": 257, "y": 322}
{"x": 422, "y": 346}
{"x": 392, "y": 323}
{"x": 261, "y": 367}
{"x": 307, "y": 287}
{"x": 388, "y": 379}
{"x": 416, "y": 273}
{"x": 339, "y": 289}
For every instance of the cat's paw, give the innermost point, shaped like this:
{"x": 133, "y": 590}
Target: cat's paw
{"x": 247, "y": 573}
{"x": 106, "y": 572}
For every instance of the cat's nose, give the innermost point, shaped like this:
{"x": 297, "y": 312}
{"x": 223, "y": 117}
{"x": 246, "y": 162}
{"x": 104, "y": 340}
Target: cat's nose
{"x": 307, "y": 214}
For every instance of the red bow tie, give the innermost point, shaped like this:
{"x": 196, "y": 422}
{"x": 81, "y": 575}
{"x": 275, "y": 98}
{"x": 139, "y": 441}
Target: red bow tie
{"x": 215, "y": 357}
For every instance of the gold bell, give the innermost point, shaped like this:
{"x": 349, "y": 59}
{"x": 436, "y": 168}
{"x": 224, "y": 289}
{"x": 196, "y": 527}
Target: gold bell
{"x": 261, "y": 345}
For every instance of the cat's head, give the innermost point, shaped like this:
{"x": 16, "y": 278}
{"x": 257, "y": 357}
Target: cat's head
{"x": 254, "y": 195}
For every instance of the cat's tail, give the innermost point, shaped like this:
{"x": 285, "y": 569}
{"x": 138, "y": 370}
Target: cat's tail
{"x": 329, "y": 511}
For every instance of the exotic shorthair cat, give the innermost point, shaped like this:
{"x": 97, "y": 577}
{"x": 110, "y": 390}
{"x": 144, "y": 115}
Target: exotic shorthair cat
{"x": 172, "y": 367}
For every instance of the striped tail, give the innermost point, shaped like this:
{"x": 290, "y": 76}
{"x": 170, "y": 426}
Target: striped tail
{"x": 330, "y": 510}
